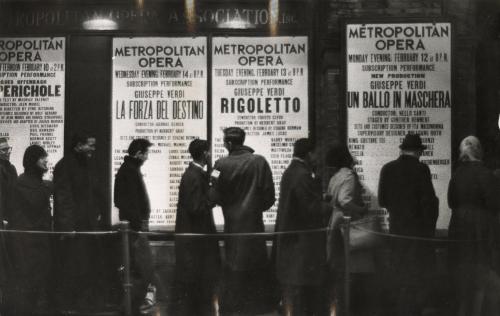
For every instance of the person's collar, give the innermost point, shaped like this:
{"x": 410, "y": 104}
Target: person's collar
{"x": 470, "y": 161}
{"x": 80, "y": 157}
{"x": 135, "y": 161}
{"x": 299, "y": 160}
{"x": 240, "y": 149}
{"x": 305, "y": 163}
{"x": 409, "y": 156}
{"x": 198, "y": 165}
{"x": 34, "y": 172}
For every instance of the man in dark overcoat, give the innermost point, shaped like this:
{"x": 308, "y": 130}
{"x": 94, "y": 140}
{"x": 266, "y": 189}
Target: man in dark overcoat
{"x": 197, "y": 258}
{"x": 406, "y": 190}
{"x": 78, "y": 206}
{"x": 301, "y": 257}
{"x": 8, "y": 176}
{"x": 132, "y": 200}
{"x": 244, "y": 189}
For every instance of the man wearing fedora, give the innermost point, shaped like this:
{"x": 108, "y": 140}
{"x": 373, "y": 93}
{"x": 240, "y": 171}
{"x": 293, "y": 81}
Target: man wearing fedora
{"x": 406, "y": 191}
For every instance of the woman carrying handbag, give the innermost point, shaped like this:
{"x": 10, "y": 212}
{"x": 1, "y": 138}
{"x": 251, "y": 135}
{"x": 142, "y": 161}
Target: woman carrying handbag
{"x": 345, "y": 195}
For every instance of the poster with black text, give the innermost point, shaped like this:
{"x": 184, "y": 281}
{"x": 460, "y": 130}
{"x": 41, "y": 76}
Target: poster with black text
{"x": 159, "y": 93}
{"x": 399, "y": 82}
{"x": 260, "y": 84}
{"x": 32, "y": 82}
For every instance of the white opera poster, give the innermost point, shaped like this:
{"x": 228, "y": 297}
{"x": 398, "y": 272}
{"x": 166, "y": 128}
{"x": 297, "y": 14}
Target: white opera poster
{"x": 399, "y": 82}
{"x": 159, "y": 93}
{"x": 261, "y": 85}
{"x": 32, "y": 82}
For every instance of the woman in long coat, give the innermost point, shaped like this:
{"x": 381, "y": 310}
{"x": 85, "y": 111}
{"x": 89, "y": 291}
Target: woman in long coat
{"x": 473, "y": 196}
{"x": 29, "y": 209}
{"x": 345, "y": 195}
{"x": 344, "y": 192}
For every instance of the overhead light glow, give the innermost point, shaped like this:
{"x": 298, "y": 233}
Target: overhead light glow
{"x": 100, "y": 24}
{"x": 190, "y": 8}
{"x": 274, "y": 9}
{"x": 236, "y": 24}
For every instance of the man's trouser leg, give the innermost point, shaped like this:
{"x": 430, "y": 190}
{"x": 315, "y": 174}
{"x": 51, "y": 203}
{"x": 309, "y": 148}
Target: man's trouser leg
{"x": 141, "y": 268}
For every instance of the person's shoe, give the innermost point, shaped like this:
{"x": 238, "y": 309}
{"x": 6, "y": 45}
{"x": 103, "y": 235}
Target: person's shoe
{"x": 149, "y": 301}
{"x": 146, "y": 309}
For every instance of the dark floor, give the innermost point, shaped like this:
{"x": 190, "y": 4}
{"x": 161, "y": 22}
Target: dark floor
{"x": 371, "y": 294}
{"x": 368, "y": 298}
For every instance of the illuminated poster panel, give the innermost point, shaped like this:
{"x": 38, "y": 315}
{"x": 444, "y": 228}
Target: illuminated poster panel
{"x": 399, "y": 82}
{"x": 261, "y": 85}
{"x": 159, "y": 93}
{"x": 32, "y": 79}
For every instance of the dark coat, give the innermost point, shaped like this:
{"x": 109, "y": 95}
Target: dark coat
{"x": 78, "y": 206}
{"x": 8, "y": 177}
{"x": 131, "y": 196}
{"x": 197, "y": 258}
{"x": 29, "y": 209}
{"x": 244, "y": 190}
{"x": 300, "y": 258}
{"x": 406, "y": 190}
{"x": 77, "y": 200}
{"x": 131, "y": 199}
{"x": 473, "y": 196}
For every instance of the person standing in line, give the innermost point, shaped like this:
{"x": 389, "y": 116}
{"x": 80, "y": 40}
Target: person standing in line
{"x": 29, "y": 209}
{"x": 78, "y": 206}
{"x": 244, "y": 188}
{"x": 345, "y": 196}
{"x": 197, "y": 258}
{"x": 8, "y": 176}
{"x": 473, "y": 196}
{"x": 406, "y": 190}
{"x": 132, "y": 200}
{"x": 301, "y": 257}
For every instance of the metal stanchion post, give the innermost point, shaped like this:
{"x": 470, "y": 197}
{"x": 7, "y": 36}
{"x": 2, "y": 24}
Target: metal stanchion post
{"x": 127, "y": 284}
{"x": 347, "y": 252}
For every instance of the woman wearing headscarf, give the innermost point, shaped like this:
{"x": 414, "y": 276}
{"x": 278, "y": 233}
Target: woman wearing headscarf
{"x": 473, "y": 196}
{"x": 345, "y": 196}
{"x": 29, "y": 209}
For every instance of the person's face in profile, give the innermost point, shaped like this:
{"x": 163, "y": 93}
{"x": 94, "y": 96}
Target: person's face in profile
{"x": 312, "y": 158}
{"x": 143, "y": 155}
{"x": 5, "y": 151}
{"x": 206, "y": 156}
{"x": 228, "y": 145}
{"x": 42, "y": 163}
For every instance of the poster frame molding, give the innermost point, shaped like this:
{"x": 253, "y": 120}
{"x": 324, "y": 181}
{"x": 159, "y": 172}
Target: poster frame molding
{"x": 177, "y": 29}
{"x": 209, "y": 101}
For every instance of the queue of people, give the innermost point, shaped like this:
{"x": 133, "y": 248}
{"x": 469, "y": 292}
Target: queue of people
{"x": 306, "y": 259}
{"x": 32, "y": 268}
